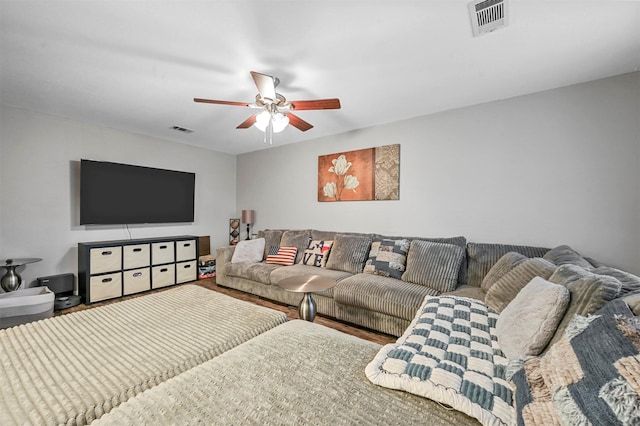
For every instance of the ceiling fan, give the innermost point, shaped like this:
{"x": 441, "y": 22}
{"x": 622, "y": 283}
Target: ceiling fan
{"x": 276, "y": 110}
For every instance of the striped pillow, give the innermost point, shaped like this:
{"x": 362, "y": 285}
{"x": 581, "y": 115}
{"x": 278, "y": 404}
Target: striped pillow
{"x": 284, "y": 256}
{"x": 435, "y": 265}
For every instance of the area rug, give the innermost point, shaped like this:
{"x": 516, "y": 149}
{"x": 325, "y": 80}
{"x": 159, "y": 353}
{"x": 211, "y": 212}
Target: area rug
{"x": 73, "y": 368}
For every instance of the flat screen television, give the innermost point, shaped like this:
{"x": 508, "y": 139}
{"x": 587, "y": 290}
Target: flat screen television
{"x": 117, "y": 194}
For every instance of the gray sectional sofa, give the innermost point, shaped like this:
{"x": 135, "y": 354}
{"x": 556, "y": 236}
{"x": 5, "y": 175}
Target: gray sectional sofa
{"x": 363, "y": 295}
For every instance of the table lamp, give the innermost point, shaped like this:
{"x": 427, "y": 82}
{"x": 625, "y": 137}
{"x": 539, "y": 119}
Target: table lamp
{"x": 248, "y": 217}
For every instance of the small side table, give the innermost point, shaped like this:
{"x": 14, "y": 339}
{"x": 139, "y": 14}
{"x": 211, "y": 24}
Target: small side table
{"x": 11, "y": 280}
{"x": 307, "y": 284}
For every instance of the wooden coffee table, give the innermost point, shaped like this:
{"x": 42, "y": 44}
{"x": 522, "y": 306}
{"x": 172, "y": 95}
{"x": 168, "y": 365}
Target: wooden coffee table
{"x": 307, "y": 284}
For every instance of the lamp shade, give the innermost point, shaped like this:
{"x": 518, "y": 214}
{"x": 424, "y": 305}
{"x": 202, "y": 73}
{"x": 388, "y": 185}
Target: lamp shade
{"x": 248, "y": 216}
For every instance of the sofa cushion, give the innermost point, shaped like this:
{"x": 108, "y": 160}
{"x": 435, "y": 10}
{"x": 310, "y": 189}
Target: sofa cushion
{"x": 501, "y": 267}
{"x": 387, "y": 258}
{"x": 469, "y": 291}
{"x": 282, "y": 256}
{"x": 349, "y": 252}
{"x": 324, "y": 235}
{"x": 249, "y": 251}
{"x": 433, "y": 264}
{"x": 382, "y": 294}
{"x": 589, "y": 377}
{"x": 565, "y": 255}
{"x": 629, "y": 283}
{"x": 317, "y": 253}
{"x": 589, "y": 292}
{"x": 527, "y": 324}
{"x": 296, "y": 238}
{"x": 299, "y": 269}
{"x": 456, "y": 241}
{"x": 482, "y": 257}
{"x": 259, "y": 272}
{"x": 507, "y": 288}
{"x": 272, "y": 238}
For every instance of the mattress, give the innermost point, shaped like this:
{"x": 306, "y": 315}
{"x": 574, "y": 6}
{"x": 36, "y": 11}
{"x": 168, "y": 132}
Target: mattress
{"x": 73, "y": 368}
{"x": 298, "y": 373}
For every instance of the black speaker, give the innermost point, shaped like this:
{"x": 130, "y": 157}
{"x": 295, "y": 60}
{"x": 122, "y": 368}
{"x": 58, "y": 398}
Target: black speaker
{"x": 62, "y": 286}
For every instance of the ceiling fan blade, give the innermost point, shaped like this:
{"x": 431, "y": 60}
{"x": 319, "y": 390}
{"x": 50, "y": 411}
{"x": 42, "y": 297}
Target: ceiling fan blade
{"x": 265, "y": 84}
{"x": 317, "y": 104}
{"x": 247, "y": 123}
{"x": 298, "y": 122}
{"x": 213, "y": 101}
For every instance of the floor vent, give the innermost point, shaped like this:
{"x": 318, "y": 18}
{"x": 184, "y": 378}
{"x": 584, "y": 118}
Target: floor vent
{"x": 488, "y": 15}
{"x": 182, "y": 129}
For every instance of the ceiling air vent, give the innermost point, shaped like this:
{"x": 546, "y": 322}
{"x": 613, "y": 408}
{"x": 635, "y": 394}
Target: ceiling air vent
{"x": 182, "y": 129}
{"x": 488, "y": 15}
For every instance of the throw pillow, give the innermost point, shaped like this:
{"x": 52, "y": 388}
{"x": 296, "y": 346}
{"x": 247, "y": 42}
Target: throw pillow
{"x": 507, "y": 288}
{"x": 387, "y": 258}
{"x": 502, "y": 266}
{"x": 565, "y": 255}
{"x": 272, "y": 238}
{"x": 349, "y": 253}
{"x": 317, "y": 253}
{"x": 527, "y": 324}
{"x": 435, "y": 265}
{"x": 248, "y": 251}
{"x": 284, "y": 256}
{"x": 590, "y": 376}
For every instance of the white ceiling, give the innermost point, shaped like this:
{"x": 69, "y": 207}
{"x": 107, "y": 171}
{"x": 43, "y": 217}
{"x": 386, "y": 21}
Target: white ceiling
{"x": 137, "y": 65}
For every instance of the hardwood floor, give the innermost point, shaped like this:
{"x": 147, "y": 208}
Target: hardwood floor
{"x": 292, "y": 312}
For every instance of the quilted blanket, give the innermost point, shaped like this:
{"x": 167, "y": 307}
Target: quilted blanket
{"x": 73, "y": 368}
{"x": 450, "y": 354}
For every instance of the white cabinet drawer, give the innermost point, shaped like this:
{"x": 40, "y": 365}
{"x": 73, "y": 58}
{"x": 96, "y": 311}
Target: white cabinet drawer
{"x": 186, "y": 271}
{"x": 105, "y": 259}
{"x": 136, "y": 256}
{"x": 136, "y": 280}
{"x": 162, "y": 253}
{"x": 105, "y": 286}
{"x": 162, "y": 276}
{"x": 185, "y": 250}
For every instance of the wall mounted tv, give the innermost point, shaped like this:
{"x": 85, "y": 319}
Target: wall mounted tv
{"x": 117, "y": 194}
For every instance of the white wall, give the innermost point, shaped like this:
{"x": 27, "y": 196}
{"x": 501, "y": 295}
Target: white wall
{"x": 556, "y": 167}
{"x": 39, "y": 189}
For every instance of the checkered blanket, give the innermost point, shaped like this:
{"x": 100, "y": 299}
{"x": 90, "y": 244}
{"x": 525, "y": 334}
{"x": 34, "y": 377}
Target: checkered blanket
{"x": 450, "y": 354}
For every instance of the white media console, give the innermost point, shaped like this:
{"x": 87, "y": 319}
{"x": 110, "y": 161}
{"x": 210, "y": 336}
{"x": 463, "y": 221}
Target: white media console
{"x": 111, "y": 269}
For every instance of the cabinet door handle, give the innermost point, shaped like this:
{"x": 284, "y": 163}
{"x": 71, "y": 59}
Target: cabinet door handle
{"x": 163, "y": 270}
{"x": 187, "y": 266}
{"x": 107, "y": 253}
{"x": 107, "y": 280}
{"x": 137, "y": 274}
{"x": 137, "y": 249}
{"x": 187, "y": 244}
{"x": 163, "y": 247}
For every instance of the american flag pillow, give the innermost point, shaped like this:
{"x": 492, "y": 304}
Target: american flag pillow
{"x": 285, "y": 256}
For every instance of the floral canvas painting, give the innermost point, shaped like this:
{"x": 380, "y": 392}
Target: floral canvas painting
{"x": 364, "y": 174}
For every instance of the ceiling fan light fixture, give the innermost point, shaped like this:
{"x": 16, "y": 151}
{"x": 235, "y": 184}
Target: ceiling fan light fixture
{"x": 280, "y": 122}
{"x": 262, "y": 120}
